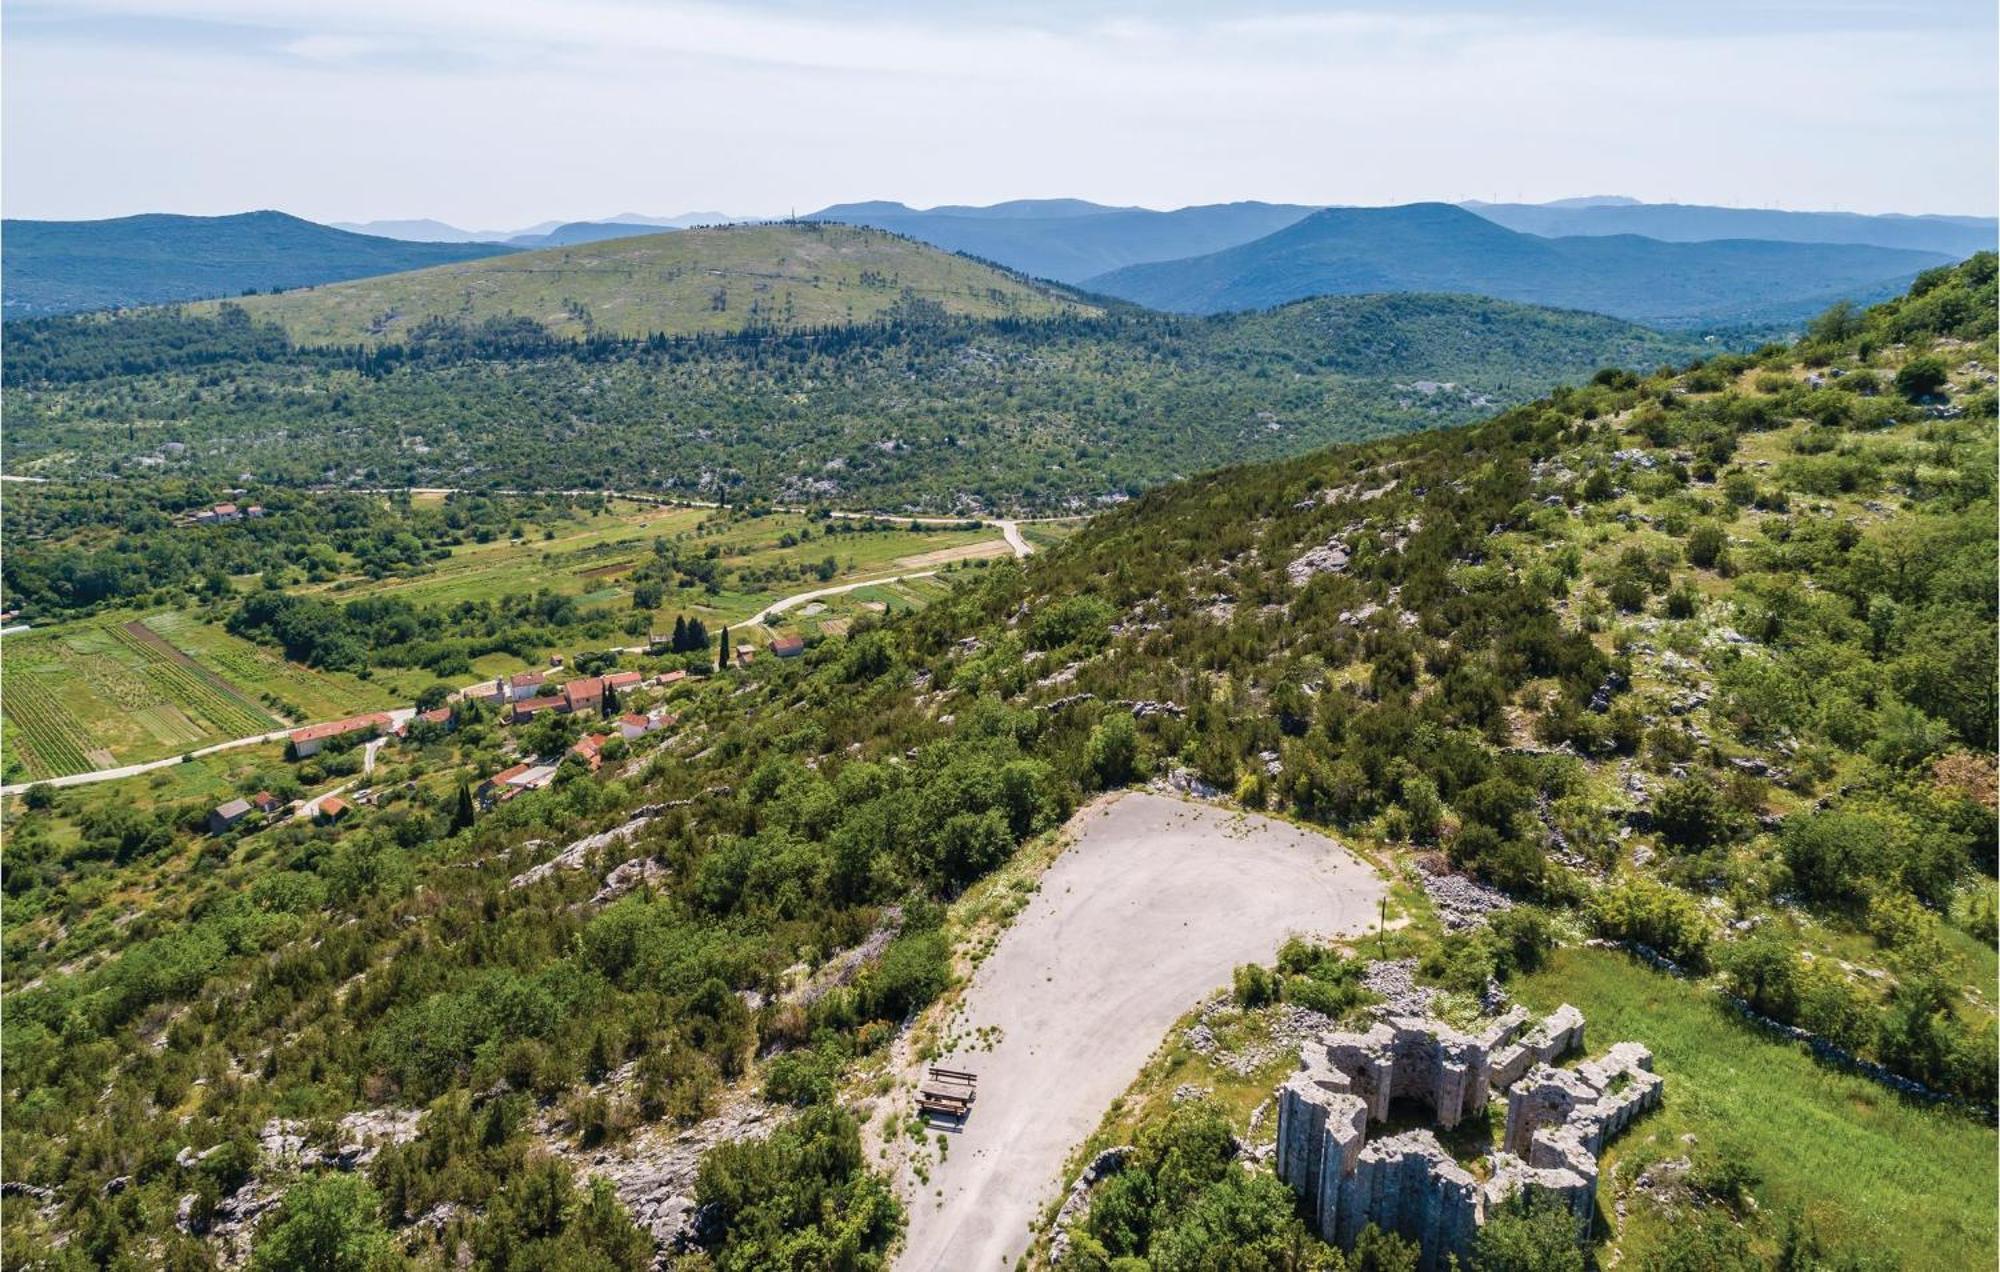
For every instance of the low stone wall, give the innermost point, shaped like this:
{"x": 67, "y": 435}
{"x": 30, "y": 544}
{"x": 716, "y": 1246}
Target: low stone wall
{"x": 1558, "y": 1121}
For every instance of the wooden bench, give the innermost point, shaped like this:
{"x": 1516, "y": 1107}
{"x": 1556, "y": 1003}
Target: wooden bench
{"x": 948, "y": 1092}
{"x": 943, "y": 1105}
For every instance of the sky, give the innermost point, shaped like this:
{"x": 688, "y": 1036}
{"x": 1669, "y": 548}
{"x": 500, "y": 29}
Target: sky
{"x": 494, "y": 114}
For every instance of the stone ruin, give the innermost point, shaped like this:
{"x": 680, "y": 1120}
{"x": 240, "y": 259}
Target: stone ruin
{"x": 1557, "y": 1123}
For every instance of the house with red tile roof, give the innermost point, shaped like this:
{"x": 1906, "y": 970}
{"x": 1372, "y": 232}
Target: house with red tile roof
{"x": 590, "y": 746}
{"x": 266, "y": 803}
{"x": 333, "y": 808}
{"x": 623, "y": 680}
{"x": 527, "y": 684}
{"x": 534, "y": 706}
{"x": 788, "y": 646}
{"x": 585, "y": 693}
{"x": 311, "y": 738}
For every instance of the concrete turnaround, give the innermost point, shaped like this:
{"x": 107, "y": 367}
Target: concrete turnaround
{"x": 1149, "y": 910}
{"x": 1557, "y": 1123}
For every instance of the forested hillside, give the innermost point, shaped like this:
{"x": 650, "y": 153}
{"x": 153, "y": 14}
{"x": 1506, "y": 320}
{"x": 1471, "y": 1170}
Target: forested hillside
{"x": 56, "y": 267}
{"x": 1697, "y": 658}
{"x": 916, "y": 411}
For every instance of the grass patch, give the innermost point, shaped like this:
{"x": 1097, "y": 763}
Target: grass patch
{"x": 1871, "y": 1171}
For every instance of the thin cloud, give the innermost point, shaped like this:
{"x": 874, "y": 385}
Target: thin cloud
{"x": 496, "y": 113}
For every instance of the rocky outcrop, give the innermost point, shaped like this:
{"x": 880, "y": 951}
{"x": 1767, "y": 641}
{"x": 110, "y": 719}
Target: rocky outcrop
{"x": 1558, "y": 1121}
{"x": 1077, "y": 1202}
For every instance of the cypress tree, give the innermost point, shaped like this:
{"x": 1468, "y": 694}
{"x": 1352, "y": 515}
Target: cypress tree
{"x": 680, "y": 641}
{"x": 461, "y": 818}
{"x": 722, "y": 654}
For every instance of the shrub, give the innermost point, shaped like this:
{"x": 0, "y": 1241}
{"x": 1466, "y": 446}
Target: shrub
{"x": 1254, "y": 986}
{"x": 1533, "y": 1232}
{"x": 1655, "y": 915}
{"x": 331, "y": 1223}
{"x": 1922, "y": 376}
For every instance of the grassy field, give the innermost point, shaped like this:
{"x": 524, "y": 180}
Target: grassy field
{"x": 1873, "y": 1173}
{"x": 590, "y": 558}
{"x": 125, "y": 688}
{"x": 689, "y": 281}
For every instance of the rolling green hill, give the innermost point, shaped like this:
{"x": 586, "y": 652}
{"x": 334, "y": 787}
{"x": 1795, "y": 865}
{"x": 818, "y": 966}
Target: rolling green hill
{"x": 923, "y": 412}
{"x": 1435, "y": 247}
{"x": 782, "y": 276}
{"x": 55, "y": 267}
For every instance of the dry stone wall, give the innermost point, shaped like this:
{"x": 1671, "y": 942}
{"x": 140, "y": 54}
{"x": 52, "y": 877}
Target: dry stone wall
{"x": 1558, "y": 1121}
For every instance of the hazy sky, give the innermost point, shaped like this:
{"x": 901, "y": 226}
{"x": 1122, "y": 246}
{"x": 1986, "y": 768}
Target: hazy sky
{"x": 495, "y": 113}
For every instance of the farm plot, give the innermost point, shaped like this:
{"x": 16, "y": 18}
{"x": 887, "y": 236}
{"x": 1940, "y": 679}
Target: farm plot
{"x": 290, "y": 688}
{"x": 183, "y": 682}
{"x": 116, "y": 691}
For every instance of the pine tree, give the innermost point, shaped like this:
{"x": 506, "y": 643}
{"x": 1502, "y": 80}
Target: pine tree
{"x": 461, "y": 819}
{"x": 697, "y": 636}
{"x": 680, "y": 641}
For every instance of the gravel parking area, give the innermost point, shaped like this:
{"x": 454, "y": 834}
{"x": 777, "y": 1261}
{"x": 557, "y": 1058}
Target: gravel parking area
{"x": 1151, "y": 909}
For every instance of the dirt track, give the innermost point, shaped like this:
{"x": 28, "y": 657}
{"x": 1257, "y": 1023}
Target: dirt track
{"x": 1154, "y": 906}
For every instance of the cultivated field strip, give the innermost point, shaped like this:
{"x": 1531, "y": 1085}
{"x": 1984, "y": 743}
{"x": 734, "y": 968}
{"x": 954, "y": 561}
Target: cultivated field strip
{"x": 179, "y": 679}
{"x": 48, "y": 735}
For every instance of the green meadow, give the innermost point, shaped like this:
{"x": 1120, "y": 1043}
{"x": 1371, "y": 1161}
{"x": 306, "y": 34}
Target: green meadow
{"x": 1872, "y": 1172}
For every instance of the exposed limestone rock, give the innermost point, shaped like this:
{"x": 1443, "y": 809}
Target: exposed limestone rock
{"x": 1461, "y": 902}
{"x": 1557, "y": 1123}
{"x": 1330, "y": 557}
{"x": 574, "y": 856}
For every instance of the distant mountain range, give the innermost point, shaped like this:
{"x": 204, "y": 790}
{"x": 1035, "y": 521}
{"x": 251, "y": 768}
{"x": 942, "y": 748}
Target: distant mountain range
{"x": 1069, "y": 240}
{"x": 1438, "y": 247}
{"x": 1957, "y": 236}
{"x": 542, "y": 233}
{"x": 55, "y": 267}
{"x": 1691, "y": 265}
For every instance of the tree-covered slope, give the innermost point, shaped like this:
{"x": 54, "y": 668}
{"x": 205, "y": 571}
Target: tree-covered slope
{"x": 1701, "y": 659}
{"x": 55, "y": 267}
{"x": 1435, "y": 247}
{"x": 783, "y": 277}
{"x": 915, "y": 412}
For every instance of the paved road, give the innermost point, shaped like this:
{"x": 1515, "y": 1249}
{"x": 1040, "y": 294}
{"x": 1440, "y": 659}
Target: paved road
{"x": 399, "y": 715}
{"x": 1153, "y": 908}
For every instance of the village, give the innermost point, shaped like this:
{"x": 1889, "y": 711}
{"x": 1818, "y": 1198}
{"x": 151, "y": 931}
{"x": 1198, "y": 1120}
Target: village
{"x": 625, "y": 705}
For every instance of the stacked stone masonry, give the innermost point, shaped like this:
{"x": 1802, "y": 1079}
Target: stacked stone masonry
{"x": 1558, "y": 1121}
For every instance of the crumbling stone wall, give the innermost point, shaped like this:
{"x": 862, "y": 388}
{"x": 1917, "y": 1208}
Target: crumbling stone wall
{"x": 1557, "y": 1123}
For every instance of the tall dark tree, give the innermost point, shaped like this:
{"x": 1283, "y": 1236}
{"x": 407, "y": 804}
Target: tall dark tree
{"x": 679, "y": 644}
{"x": 461, "y": 817}
{"x": 722, "y": 654}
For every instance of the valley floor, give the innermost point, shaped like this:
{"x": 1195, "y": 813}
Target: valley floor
{"x": 1152, "y": 907}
